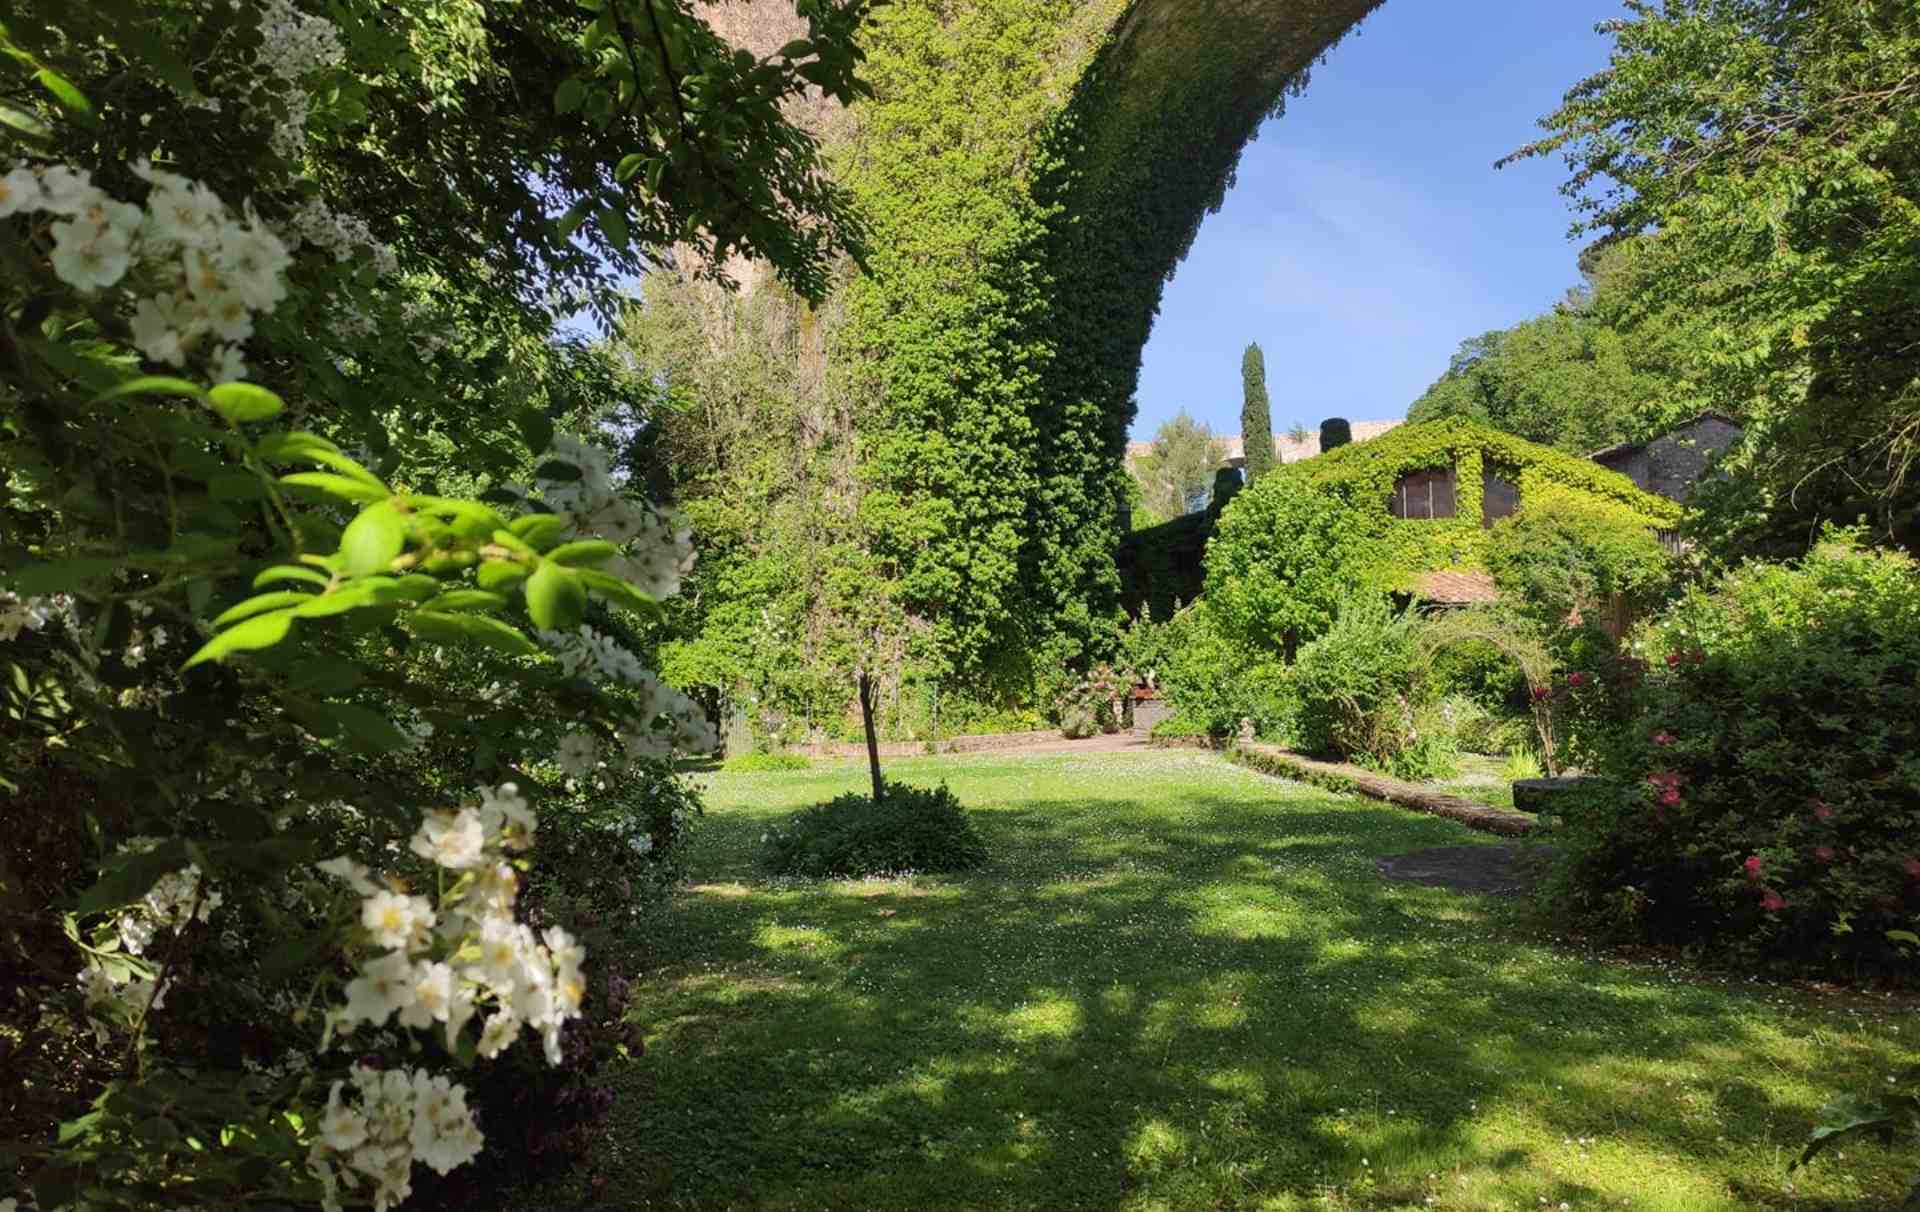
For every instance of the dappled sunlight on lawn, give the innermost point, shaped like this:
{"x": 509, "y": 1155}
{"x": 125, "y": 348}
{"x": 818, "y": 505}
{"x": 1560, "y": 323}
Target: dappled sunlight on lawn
{"x": 1177, "y": 984}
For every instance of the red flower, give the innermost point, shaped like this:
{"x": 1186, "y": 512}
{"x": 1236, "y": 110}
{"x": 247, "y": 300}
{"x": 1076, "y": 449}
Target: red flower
{"x": 1821, "y": 812}
{"x": 1673, "y": 658}
{"x": 1699, "y": 656}
{"x": 1663, "y": 738}
{"x": 1912, "y": 867}
{"x": 1576, "y": 679}
{"x": 1753, "y": 866}
{"x": 1773, "y": 902}
{"x": 1540, "y": 692}
{"x": 1670, "y": 796}
{"x": 1669, "y": 779}
{"x": 1823, "y": 854}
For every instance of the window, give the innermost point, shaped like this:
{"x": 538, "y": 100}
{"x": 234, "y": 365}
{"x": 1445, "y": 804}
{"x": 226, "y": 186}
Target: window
{"x": 1424, "y": 494}
{"x": 1499, "y": 497}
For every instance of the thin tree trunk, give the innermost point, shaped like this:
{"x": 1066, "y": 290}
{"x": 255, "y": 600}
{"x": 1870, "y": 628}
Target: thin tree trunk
{"x": 873, "y": 742}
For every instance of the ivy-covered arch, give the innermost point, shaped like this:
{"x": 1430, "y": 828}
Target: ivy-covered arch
{"x": 1033, "y": 171}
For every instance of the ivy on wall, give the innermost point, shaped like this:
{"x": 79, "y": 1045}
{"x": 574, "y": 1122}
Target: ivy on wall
{"x": 1031, "y": 171}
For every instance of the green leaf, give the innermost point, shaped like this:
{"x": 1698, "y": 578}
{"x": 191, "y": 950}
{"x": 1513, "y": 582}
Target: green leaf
{"x": 540, "y": 530}
{"x": 536, "y": 429}
{"x": 125, "y": 878}
{"x": 497, "y": 575}
{"x": 465, "y": 599}
{"x": 260, "y": 631}
{"x": 366, "y": 730}
{"x": 63, "y": 91}
{"x": 583, "y": 551}
{"x": 555, "y": 597}
{"x": 307, "y": 447}
{"x": 290, "y": 572}
{"x": 23, "y": 123}
{"x": 457, "y": 628}
{"x": 628, "y": 166}
{"x": 61, "y": 576}
{"x": 243, "y": 403}
{"x": 345, "y": 487}
{"x": 153, "y": 385}
{"x": 371, "y": 541}
{"x": 567, "y": 98}
{"x": 1839, "y": 1119}
{"x": 157, "y": 55}
{"x": 617, "y": 590}
{"x": 613, "y": 221}
{"x": 260, "y": 604}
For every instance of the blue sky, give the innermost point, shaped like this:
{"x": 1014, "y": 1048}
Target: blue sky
{"x": 1369, "y": 233}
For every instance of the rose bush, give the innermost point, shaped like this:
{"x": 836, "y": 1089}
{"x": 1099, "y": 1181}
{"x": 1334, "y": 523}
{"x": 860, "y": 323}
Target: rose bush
{"x": 1764, "y": 759}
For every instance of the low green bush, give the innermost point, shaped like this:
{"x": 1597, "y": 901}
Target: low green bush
{"x": 1214, "y": 683}
{"x": 1360, "y": 687}
{"x": 760, "y": 763}
{"x": 1764, "y": 765}
{"x": 909, "y": 829}
{"x": 1565, "y": 555}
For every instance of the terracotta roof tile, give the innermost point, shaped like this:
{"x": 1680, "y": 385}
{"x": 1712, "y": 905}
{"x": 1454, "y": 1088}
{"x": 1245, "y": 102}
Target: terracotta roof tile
{"x": 1456, "y": 588}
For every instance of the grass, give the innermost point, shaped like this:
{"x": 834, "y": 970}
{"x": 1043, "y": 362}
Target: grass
{"x": 1180, "y": 985}
{"x": 1481, "y": 779}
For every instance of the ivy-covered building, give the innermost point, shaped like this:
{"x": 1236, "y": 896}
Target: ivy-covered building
{"x": 1436, "y": 489}
{"x": 1443, "y": 484}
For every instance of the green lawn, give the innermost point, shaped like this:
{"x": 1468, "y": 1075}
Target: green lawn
{"x": 1182, "y": 985}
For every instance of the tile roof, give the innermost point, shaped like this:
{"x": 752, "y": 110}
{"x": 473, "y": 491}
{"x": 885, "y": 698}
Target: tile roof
{"x": 1456, "y": 588}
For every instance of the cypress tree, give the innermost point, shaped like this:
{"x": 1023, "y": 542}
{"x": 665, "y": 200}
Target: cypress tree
{"x": 1334, "y": 431}
{"x": 1256, "y": 417}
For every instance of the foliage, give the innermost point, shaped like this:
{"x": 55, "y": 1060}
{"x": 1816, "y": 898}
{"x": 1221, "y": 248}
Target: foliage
{"x": 1176, "y": 476}
{"x": 909, "y": 829}
{"x": 1577, "y": 378}
{"x": 1335, "y": 432}
{"x": 1562, "y": 558}
{"x": 305, "y": 534}
{"x": 1359, "y": 687}
{"x": 1773, "y": 150}
{"x": 1286, "y": 556}
{"x": 1256, "y": 415}
{"x": 758, "y": 763}
{"x": 1521, "y": 642}
{"x": 1214, "y": 683}
{"x": 1764, "y": 769}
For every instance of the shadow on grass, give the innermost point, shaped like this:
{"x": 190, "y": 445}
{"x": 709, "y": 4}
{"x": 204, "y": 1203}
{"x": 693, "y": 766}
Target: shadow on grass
{"x": 1194, "y": 999}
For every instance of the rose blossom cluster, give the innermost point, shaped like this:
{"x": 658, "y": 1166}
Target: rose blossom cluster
{"x": 203, "y": 274}
{"x": 442, "y": 966}
{"x": 657, "y": 550}
{"x": 116, "y": 978}
{"x": 396, "y": 1118}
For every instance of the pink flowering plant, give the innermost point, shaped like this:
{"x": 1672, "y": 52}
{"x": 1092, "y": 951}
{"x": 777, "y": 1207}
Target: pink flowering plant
{"x": 1765, "y": 770}
{"x": 1094, "y": 701}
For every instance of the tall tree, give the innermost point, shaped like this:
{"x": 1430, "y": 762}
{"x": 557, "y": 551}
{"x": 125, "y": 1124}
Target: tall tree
{"x": 1256, "y": 416}
{"x": 1334, "y": 432}
{"x": 1176, "y": 476}
{"x": 1773, "y": 150}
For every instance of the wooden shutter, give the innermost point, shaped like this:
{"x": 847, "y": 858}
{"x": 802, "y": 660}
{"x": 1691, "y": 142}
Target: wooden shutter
{"x": 1424, "y": 495}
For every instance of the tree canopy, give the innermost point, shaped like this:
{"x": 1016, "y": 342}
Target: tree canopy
{"x": 1256, "y": 414}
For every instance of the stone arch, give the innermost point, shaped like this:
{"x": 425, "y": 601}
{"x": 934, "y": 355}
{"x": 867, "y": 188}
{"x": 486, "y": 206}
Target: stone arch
{"x": 1034, "y": 171}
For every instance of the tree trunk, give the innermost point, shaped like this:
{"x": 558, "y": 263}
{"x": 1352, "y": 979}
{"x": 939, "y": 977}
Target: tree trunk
{"x": 873, "y": 742}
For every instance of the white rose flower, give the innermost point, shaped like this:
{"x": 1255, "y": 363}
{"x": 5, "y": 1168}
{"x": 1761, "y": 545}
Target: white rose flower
{"x": 578, "y": 754}
{"x": 19, "y": 191}
{"x": 383, "y": 986}
{"x": 396, "y": 920}
{"x": 454, "y": 840}
{"x": 67, "y": 191}
{"x": 432, "y": 996}
{"x": 90, "y": 255}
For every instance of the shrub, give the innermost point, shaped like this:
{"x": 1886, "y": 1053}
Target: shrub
{"x": 1286, "y": 556}
{"x": 1564, "y": 555}
{"x": 1359, "y": 686}
{"x": 1765, "y": 783}
{"x": 1213, "y": 683}
{"x": 1087, "y": 705}
{"x": 758, "y": 763}
{"x": 908, "y": 829}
